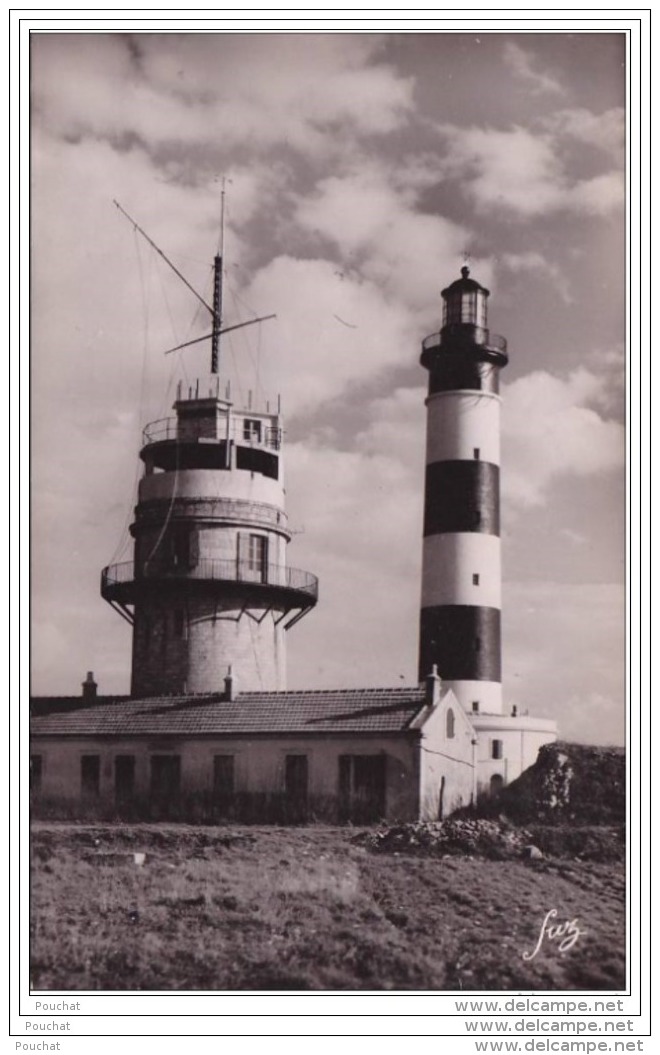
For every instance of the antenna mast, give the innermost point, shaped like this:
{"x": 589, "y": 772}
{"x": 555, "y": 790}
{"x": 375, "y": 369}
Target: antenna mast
{"x": 215, "y": 311}
{"x": 217, "y": 287}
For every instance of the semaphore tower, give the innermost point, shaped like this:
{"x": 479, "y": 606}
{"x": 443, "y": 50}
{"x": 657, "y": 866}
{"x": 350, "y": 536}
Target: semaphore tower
{"x": 209, "y": 590}
{"x": 461, "y": 573}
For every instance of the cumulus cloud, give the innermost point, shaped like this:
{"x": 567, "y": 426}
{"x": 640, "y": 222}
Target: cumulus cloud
{"x": 605, "y": 131}
{"x": 521, "y": 63}
{"x": 550, "y": 430}
{"x": 371, "y": 214}
{"x": 200, "y": 89}
{"x": 522, "y": 172}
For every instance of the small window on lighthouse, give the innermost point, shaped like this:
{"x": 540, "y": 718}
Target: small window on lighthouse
{"x": 475, "y": 579}
{"x": 477, "y": 453}
{"x": 475, "y": 706}
{"x": 496, "y": 749}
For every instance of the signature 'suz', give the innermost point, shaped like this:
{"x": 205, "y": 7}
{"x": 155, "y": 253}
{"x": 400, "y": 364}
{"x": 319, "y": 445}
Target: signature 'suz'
{"x": 566, "y": 934}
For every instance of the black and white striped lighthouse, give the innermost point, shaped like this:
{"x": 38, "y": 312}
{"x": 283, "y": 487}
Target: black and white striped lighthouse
{"x": 461, "y": 572}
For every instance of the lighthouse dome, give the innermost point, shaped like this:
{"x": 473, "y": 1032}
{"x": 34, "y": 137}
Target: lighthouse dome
{"x": 464, "y": 284}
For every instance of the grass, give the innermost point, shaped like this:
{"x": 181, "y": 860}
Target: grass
{"x": 307, "y": 909}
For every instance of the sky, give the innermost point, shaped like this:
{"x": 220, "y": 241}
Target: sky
{"x": 361, "y": 171}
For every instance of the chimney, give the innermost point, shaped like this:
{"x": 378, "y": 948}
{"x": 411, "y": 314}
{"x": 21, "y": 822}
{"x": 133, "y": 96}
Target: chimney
{"x": 89, "y": 687}
{"x": 230, "y": 685}
{"x": 432, "y": 686}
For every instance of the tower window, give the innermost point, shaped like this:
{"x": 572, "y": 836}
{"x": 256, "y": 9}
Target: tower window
{"x": 252, "y": 430}
{"x": 257, "y": 553}
{"x": 475, "y": 706}
{"x": 475, "y": 579}
{"x": 476, "y": 451}
{"x": 496, "y": 748}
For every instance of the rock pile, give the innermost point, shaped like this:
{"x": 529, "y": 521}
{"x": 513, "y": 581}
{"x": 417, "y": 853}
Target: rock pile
{"x": 483, "y": 838}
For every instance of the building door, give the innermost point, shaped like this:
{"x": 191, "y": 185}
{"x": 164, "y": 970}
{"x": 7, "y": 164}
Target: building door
{"x": 90, "y": 776}
{"x": 165, "y": 786}
{"x": 124, "y": 779}
{"x": 296, "y": 780}
{"x": 362, "y": 784}
{"x": 223, "y": 783}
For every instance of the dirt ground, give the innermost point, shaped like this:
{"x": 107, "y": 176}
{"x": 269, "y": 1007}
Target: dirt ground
{"x": 119, "y": 907}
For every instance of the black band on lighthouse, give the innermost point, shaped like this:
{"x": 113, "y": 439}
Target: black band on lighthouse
{"x": 463, "y": 640}
{"x": 462, "y": 496}
{"x": 451, "y": 372}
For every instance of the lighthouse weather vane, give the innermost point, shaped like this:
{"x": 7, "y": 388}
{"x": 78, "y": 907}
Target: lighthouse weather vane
{"x": 217, "y": 329}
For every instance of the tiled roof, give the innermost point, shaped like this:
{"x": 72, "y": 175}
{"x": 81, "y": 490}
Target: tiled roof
{"x": 344, "y": 710}
{"x": 50, "y": 704}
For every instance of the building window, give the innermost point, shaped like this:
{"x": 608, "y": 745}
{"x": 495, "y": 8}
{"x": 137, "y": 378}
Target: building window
{"x": 36, "y": 770}
{"x": 475, "y": 579}
{"x": 124, "y": 778}
{"x": 477, "y": 453}
{"x": 496, "y": 749}
{"x": 475, "y": 706}
{"x": 223, "y": 775}
{"x": 450, "y": 725}
{"x": 90, "y": 776}
{"x": 252, "y": 430}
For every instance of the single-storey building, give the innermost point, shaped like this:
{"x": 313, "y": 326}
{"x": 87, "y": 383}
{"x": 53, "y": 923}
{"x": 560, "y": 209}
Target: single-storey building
{"x": 350, "y": 755}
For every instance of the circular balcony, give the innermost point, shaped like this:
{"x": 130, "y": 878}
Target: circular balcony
{"x": 125, "y": 583}
{"x": 453, "y": 339}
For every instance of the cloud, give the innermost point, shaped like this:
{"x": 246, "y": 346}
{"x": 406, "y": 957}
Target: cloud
{"x": 532, "y": 262}
{"x": 550, "y": 430}
{"x": 217, "y": 91}
{"x": 520, "y": 62}
{"x": 605, "y": 131}
{"x": 521, "y": 172}
{"x": 371, "y": 214}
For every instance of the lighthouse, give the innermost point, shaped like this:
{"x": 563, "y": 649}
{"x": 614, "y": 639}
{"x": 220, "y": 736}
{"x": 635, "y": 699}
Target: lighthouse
{"x": 460, "y": 625}
{"x": 209, "y": 592}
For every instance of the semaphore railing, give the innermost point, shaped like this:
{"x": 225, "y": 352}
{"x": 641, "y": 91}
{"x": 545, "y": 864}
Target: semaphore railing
{"x": 210, "y": 571}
